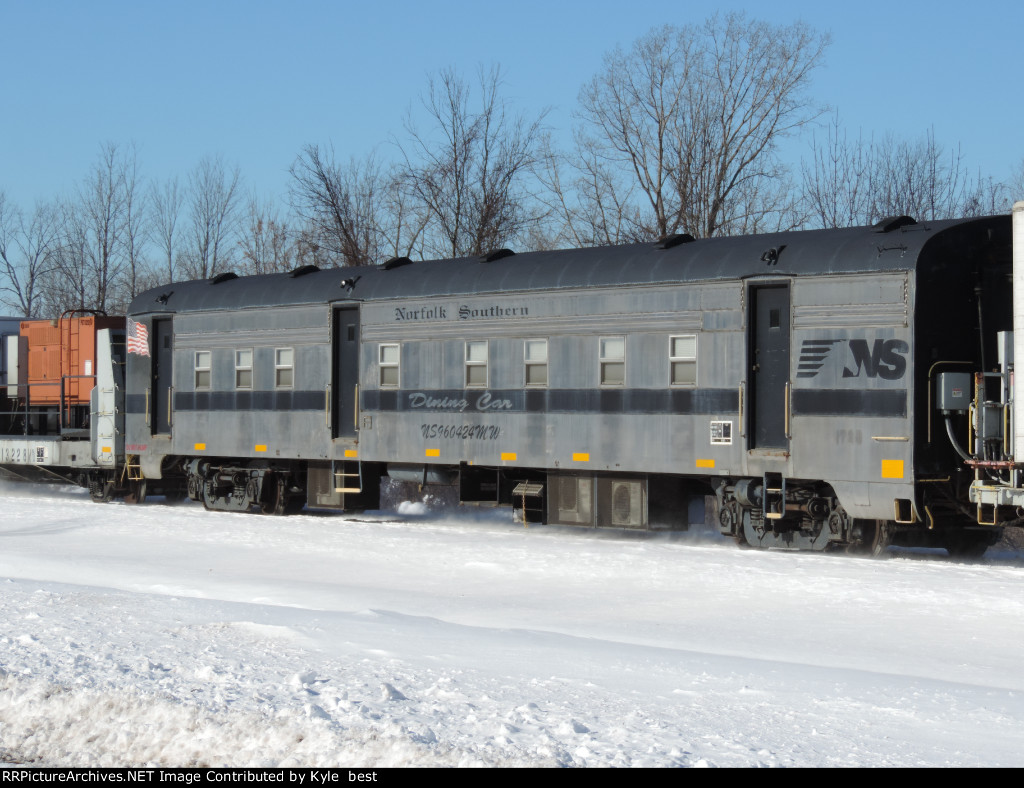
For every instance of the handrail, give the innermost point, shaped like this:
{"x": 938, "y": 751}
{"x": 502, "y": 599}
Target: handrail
{"x": 61, "y": 404}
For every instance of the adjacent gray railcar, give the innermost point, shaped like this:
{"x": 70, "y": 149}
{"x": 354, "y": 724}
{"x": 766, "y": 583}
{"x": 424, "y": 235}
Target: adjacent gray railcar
{"x": 790, "y": 375}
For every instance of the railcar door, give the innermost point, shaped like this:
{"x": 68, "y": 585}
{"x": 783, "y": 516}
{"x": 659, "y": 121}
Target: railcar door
{"x": 345, "y": 378}
{"x": 769, "y": 370}
{"x": 163, "y": 362}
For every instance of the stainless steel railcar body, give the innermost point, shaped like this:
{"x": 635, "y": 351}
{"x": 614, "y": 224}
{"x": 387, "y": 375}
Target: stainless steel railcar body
{"x": 790, "y": 373}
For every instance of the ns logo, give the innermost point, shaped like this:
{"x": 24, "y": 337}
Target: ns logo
{"x": 884, "y": 359}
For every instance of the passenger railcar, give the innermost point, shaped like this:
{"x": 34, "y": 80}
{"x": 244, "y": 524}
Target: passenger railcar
{"x": 788, "y": 374}
{"x": 844, "y": 387}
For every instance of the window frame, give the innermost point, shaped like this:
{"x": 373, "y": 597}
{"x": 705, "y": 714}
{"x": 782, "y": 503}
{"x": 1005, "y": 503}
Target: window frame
{"x": 607, "y": 362}
{"x": 529, "y": 363}
{"x": 198, "y": 370}
{"x": 471, "y": 364}
{"x": 239, "y": 367}
{"x": 674, "y": 359}
{"x": 280, "y": 367}
{"x": 383, "y": 365}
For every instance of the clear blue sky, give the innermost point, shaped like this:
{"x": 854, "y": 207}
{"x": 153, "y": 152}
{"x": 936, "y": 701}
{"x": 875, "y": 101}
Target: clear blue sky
{"x": 256, "y": 80}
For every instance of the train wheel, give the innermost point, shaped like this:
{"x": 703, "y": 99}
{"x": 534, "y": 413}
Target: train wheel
{"x": 279, "y": 497}
{"x": 101, "y": 491}
{"x": 875, "y": 537}
{"x": 136, "y": 492}
{"x": 209, "y": 498}
{"x": 275, "y": 499}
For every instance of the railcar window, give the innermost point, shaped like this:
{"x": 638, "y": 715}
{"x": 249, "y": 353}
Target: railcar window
{"x": 476, "y": 363}
{"x": 390, "y": 356}
{"x": 243, "y": 369}
{"x": 284, "y": 368}
{"x": 613, "y": 361}
{"x": 536, "y": 359}
{"x": 202, "y": 367}
{"x": 683, "y": 360}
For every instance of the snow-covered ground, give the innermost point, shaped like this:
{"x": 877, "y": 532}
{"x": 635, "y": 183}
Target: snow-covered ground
{"x": 167, "y": 635}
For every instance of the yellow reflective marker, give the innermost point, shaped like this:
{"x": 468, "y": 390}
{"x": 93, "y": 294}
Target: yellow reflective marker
{"x": 508, "y": 456}
{"x": 581, "y": 457}
{"x": 433, "y": 452}
{"x": 892, "y": 469}
{"x": 260, "y": 447}
{"x": 351, "y": 453}
{"x": 200, "y": 447}
{"x": 705, "y": 463}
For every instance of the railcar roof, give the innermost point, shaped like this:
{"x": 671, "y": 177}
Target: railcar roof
{"x": 900, "y": 245}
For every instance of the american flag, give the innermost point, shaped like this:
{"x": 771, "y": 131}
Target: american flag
{"x": 138, "y": 338}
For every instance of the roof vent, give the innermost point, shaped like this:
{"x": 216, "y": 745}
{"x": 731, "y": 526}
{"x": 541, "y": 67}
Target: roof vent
{"x": 890, "y": 223}
{"x": 227, "y": 276}
{"x": 669, "y": 241}
{"x": 497, "y": 254}
{"x": 302, "y": 270}
{"x": 396, "y": 262}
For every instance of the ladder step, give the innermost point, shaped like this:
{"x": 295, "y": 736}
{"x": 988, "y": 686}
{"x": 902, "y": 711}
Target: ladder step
{"x": 348, "y": 481}
{"x": 342, "y": 485}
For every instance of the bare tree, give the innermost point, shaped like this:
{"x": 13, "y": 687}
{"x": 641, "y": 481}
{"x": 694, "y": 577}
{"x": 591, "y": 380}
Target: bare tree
{"x": 10, "y": 230}
{"x": 101, "y": 239}
{"x": 467, "y": 169}
{"x": 71, "y": 285}
{"x": 919, "y": 179}
{"x": 592, "y": 199}
{"x": 266, "y": 245}
{"x": 853, "y": 182}
{"x": 681, "y": 133}
{"x": 213, "y": 194}
{"x": 837, "y": 182}
{"x": 165, "y": 203}
{"x": 136, "y": 229}
{"x": 101, "y": 222}
{"x": 27, "y": 249}
{"x": 341, "y": 206}
{"x": 1016, "y": 184}
{"x": 404, "y": 219}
